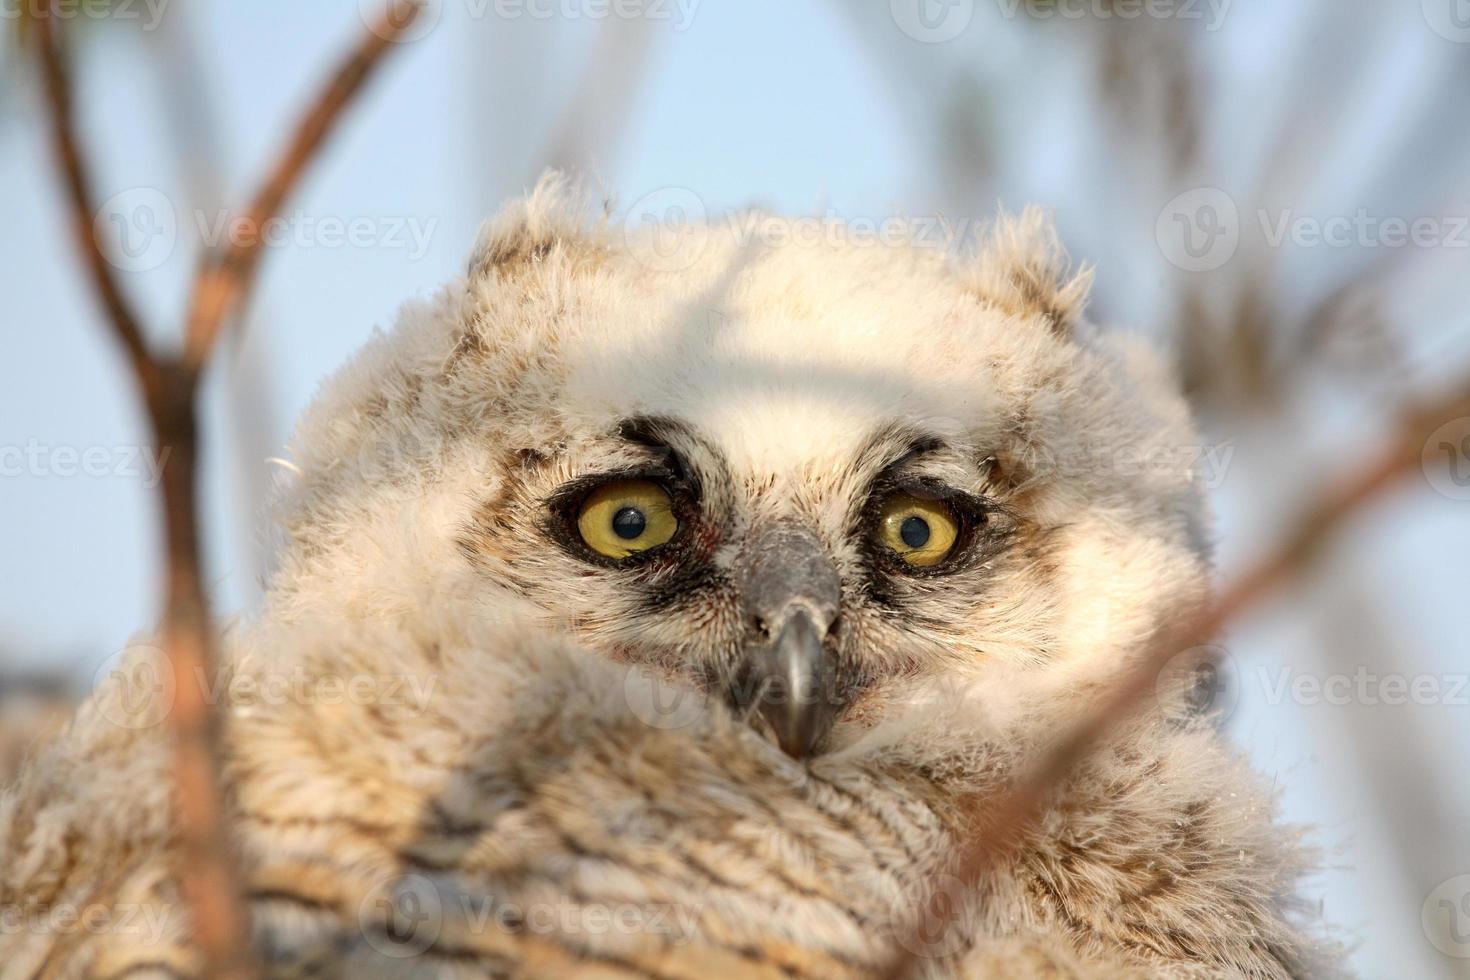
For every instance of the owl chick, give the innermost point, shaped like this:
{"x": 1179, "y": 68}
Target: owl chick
{"x": 669, "y": 603}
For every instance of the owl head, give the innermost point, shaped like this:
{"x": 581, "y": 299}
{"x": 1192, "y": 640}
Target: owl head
{"x": 790, "y": 466}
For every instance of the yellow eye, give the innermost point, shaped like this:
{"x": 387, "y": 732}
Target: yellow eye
{"x": 921, "y": 532}
{"x": 625, "y": 517}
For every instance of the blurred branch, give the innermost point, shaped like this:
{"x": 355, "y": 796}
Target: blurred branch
{"x": 225, "y": 280}
{"x": 1394, "y": 760}
{"x": 597, "y": 113}
{"x": 1009, "y": 817}
{"x": 1148, "y": 80}
{"x": 170, "y": 388}
{"x": 247, "y": 384}
{"x": 952, "y": 108}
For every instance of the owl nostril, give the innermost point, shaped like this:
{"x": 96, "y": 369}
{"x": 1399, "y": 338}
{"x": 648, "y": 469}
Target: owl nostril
{"x": 784, "y": 566}
{"x": 759, "y": 625}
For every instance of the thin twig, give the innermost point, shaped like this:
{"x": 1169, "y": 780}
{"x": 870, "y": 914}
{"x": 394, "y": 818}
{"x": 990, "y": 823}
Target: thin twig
{"x": 1006, "y": 819}
{"x": 170, "y": 387}
{"x": 225, "y": 280}
{"x": 210, "y": 879}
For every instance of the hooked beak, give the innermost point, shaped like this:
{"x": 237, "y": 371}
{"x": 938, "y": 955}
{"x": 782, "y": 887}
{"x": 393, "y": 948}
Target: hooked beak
{"x": 791, "y": 594}
{"x": 795, "y": 695}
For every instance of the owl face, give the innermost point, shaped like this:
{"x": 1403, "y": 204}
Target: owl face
{"x": 793, "y": 476}
{"x": 788, "y": 594}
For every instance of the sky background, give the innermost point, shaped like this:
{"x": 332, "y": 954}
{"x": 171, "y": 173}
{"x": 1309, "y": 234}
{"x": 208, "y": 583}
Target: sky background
{"x": 860, "y": 110}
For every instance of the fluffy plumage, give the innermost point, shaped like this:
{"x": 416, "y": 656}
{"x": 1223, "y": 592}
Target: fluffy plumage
{"x": 537, "y": 773}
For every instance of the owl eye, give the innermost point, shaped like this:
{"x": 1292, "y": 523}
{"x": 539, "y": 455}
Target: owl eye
{"x": 921, "y": 532}
{"x": 625, "y": 517}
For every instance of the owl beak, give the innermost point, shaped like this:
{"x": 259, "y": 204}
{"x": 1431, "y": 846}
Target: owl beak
{"x": 791, "y": 592}
{"x": 795, "y": 685}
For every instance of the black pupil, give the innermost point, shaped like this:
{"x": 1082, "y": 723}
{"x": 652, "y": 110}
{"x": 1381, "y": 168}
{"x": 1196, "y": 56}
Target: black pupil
{"x": 914, "y": 531}
{"x": 629, "y": 523}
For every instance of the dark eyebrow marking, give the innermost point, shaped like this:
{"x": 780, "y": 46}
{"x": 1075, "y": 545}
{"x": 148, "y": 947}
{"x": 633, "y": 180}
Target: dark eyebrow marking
{"x": 884, "y": 452}
{"x": 894, "y": 445}
{"x": 654, "y": 431}
{"x": 675, "y": 442}
{"x": 660, "y": 436}
{"x": 918, "y": 446}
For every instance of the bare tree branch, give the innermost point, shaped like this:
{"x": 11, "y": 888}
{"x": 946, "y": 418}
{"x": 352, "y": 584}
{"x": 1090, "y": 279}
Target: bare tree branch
{"x": 170, "y": 387}
{"x": 225, "y": 280}
{"x": 1006, "y": 819}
